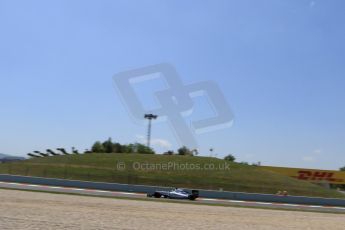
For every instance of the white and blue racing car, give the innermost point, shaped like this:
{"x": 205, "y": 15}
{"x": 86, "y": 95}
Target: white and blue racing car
{"x": 175, "y": 194}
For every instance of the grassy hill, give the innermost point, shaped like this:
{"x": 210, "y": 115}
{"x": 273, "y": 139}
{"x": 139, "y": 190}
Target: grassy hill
{"x": 170, "y": 171}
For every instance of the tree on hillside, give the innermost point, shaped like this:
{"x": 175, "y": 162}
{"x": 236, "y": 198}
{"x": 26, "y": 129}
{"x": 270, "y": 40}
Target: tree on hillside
{"x": 342, "y": 169}
{"x": 195, "y": 152}
{"x": 143, "y": 149}
{"x": 130, "y": 148}
{"x": 97, "y": 147}
{"x": 117, "y": 148}
{"x": 184, "y": 151}
{"x": 169, "y": 153}
{"x": 108, "y": 146}
{"x": 230, "y": 157}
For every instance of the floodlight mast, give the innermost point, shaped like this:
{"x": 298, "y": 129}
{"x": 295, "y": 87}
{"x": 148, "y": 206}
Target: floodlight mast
{"x": 150, "y": 117}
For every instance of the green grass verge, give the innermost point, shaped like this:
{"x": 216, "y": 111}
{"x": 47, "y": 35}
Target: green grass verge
{"x": 167, "y": 171}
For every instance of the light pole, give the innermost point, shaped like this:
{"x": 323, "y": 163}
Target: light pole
{"x": 150, "y": 117}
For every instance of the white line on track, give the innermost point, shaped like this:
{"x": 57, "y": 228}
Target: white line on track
{"x": 341, "y": 208}
{"x": 291, "y": 205}
{"x": 263, "y": 203}
{"x": 237, "y": 201}
{"x": 206, "y": 199}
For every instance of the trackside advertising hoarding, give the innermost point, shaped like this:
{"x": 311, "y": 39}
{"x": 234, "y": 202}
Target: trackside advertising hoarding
{"x": 311, "y": 175}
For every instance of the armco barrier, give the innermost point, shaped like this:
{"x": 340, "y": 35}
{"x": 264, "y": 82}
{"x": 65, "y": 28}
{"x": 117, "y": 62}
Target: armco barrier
{"x": 146, "y": 189}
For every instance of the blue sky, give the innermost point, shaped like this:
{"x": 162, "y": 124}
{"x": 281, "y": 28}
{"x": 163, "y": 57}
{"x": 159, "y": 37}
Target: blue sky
{"x": 280, "y": 64}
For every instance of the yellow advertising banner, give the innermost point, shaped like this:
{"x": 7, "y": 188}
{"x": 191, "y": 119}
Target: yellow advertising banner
{"x": 311, "y": 175}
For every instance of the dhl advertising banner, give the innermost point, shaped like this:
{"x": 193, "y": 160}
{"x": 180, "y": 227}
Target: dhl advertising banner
{"x": 311, "y": 175}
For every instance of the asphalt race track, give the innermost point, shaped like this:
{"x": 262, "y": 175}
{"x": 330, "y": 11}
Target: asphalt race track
{"x": 103, "y": 193}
